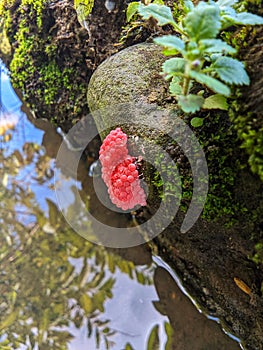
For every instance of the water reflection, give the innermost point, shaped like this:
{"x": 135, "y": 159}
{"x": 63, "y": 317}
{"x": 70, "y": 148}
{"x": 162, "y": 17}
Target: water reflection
{"x": 58, "y": 290}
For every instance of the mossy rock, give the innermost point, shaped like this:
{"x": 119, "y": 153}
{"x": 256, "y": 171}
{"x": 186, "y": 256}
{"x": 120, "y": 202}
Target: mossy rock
{"x": 127, "y": 90}
{"x": 52, "y": 56}
{"x": 209, "y": 255}
{"x": 130, "y": 76}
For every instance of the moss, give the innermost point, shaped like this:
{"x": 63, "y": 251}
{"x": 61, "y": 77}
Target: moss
{"x": 247, "y": 122}
{"x": 258, "y": 256}
{"x": 5, "y": 47}
{"x": 39, "y": 67}
{"x": 250, "y": 132}
{"x": 218, "y": 139}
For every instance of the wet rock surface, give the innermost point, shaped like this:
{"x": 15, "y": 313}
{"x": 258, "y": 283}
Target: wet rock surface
{"x": 212, "y": 260}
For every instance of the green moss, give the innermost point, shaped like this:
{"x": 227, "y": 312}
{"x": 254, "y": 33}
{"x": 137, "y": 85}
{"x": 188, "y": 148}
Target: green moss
{"x": 36, "y": 7}
{"x": 48, "y": 82}
{"x": 218, "y": 140}
{"x": 247, "y": 125}
{"x": 251, "y": 135}
{"x": 5, "y": 48}
{"x": 258, "y": 256}
{"x": 22, "y": 63}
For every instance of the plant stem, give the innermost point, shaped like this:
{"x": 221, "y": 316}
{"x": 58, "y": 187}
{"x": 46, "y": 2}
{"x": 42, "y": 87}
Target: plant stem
{"x": 177, "y": 28}
{"x": 186, "y": 84}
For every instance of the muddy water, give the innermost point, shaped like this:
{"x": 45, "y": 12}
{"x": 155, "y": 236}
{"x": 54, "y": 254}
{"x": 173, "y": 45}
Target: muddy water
{"x": 58, "y": 290}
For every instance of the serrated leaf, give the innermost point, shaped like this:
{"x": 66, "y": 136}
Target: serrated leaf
{"x": 216, "y": 101}
{"x": 174, "y": 65}
{"x": 212, "y": 83}
{"x": 131, "y": 10}
{"x": 175, "y": 87}
{"x": 153, "y": 341}
{"x": 197, "y": 122}
{"x": 203, "y": 22}
{"x": 230, "y": 70}
{"x": 171, "y": 42}
{"x": 226, "y": 3}
{"x": 247, "y": 18}
{"x": 188, "y": 5}
{"x": 216, "y": 46}
{"x": 228, "y": 15}
{"x": 190, "y": 103}
{"x": 161, "y": 13}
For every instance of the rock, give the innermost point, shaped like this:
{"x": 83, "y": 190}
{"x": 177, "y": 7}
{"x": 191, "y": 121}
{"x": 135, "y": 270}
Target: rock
{"x": 131, "y": 76}
{"x": 127, "y": 90}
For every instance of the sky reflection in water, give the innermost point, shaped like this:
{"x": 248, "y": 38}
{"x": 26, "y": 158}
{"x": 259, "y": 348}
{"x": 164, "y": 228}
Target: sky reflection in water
{"x": 59, "y": 291}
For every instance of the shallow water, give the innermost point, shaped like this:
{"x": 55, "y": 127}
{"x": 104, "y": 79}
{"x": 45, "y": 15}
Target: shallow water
{"x": 60, "y": 291}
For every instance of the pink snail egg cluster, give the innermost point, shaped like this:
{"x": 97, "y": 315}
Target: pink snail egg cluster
{"x": 119, "y": 172}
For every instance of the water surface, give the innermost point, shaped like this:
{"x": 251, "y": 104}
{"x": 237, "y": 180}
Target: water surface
{"x": 58, "y": 290}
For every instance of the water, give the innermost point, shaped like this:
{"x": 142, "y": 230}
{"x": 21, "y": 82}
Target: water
{"x": 59, "y": 291}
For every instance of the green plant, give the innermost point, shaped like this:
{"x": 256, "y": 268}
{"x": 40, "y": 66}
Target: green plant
{"x": 201, "y": 56}
{"x": 83, "y": 9}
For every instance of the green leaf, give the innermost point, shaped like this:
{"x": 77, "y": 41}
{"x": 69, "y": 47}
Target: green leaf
{"x": 161, "y": 13}
{"x": 228, "y": 15}
{"x": 247, "y": 18}
{"x": 216, "y": 46}
{"x": 190, "y": 103}
{"x": 170, "y": 52}
{"x": 158, "y": 2}
{"x": 188, "y": 5}
{"x": 83, "y": 9}
{"x": 216, "y": 101}
{"x": 175, "y": 87}
{"x": 203, "y": 22}
{"x": 197, "y": 122}
{"x": 86, "y": 303}
{"x": 174, "y": 65}
{"x": 230, "y": 70}
{"x": 131, "y": 10}
{"x": 169, "y": 333}
{"x": 171, "y": 41}
{"x": 52, "y": 212}
{"x": 212, "y": 83}
{"x": 153, "y": 341}
{"x": 9, "y": 320}
{"x": 226, "y": 3}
